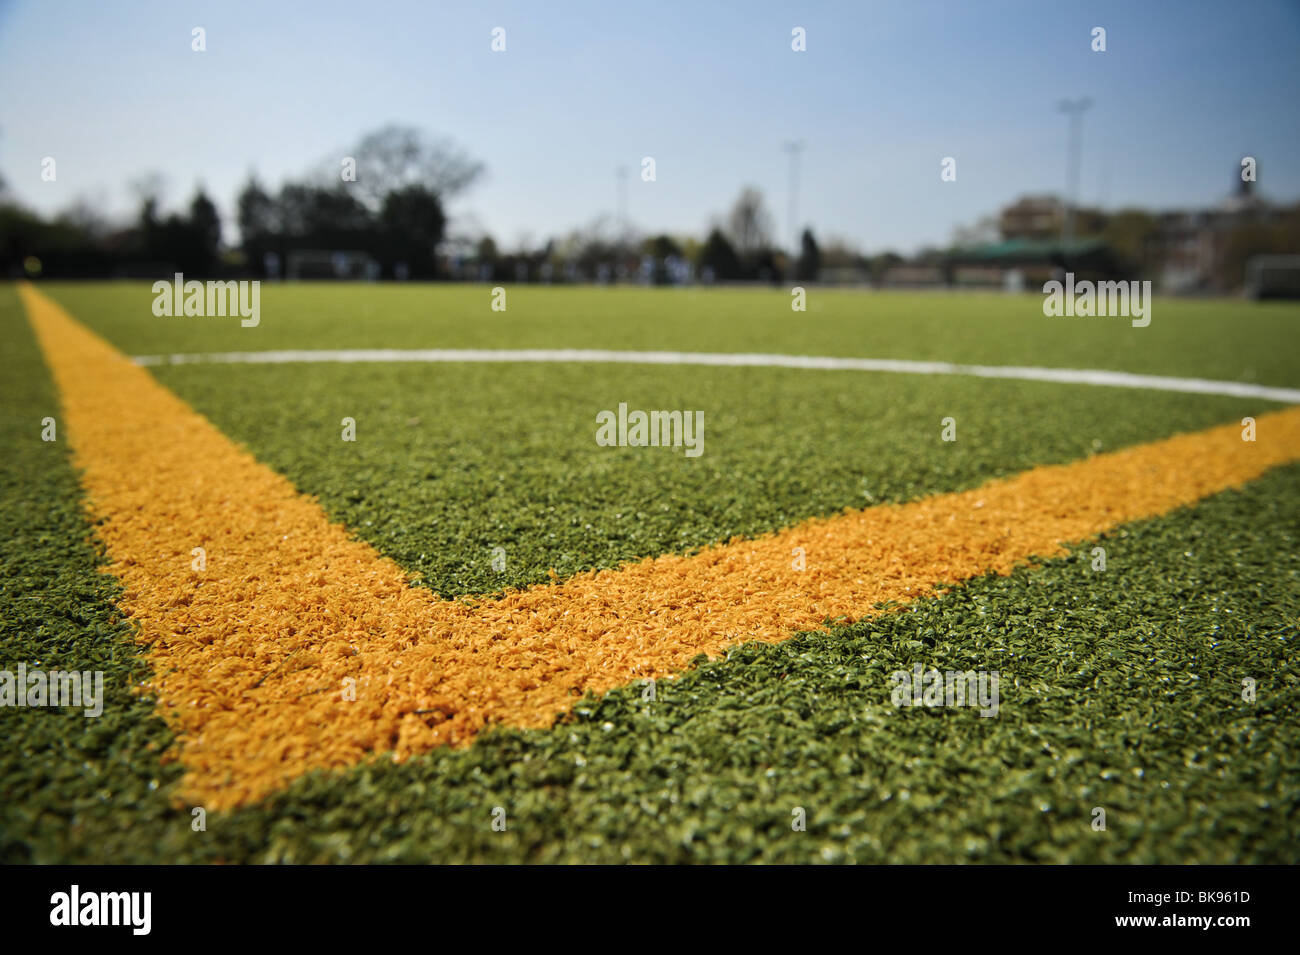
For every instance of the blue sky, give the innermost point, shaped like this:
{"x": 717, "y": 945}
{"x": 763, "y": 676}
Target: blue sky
{"x": 883, "y": 93}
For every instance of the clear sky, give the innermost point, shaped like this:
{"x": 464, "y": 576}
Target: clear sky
{"x": 883, "y": 93}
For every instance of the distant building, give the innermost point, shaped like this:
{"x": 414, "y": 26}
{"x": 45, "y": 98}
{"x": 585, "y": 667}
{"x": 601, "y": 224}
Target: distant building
{"x": 1191, "y": 245}
{"x": 1032, "y": 217}
{"x": 1183, "y": 251}
{"x": 1042, "y": 219}
{"x": 1016, "y": 264}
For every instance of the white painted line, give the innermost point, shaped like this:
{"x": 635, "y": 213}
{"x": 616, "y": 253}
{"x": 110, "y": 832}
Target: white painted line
{"x": 1069, "y": 376}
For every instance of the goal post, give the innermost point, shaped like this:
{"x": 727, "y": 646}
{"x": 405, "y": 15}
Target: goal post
{"x": 340, "y": 264}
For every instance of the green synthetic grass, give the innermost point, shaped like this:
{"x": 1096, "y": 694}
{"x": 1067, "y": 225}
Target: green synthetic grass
{"x": 1119, "y": 690}
{"x": 452, "y": 461}
{"x": 66, "y": 782}
{"x": 1228, "y": 339}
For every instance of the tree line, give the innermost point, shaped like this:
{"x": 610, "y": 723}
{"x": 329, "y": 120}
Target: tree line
{"x": 383, "y": 203}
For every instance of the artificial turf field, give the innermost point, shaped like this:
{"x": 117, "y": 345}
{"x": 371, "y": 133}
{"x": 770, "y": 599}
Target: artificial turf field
{"x": 1120, "y": 689}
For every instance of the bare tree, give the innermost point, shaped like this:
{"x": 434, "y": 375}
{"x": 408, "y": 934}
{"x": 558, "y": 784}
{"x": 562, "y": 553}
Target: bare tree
{"x": 749, "y": 225}
{"x": 396, "y": 157}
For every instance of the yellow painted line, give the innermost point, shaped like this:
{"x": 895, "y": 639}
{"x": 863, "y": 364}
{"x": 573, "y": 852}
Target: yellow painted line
{"x": 251, "y": 656}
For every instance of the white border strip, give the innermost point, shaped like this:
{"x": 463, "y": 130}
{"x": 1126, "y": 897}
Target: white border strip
{"x": 1069, "y": 376}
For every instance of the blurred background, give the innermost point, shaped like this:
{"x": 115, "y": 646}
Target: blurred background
{"x": 910, "y": 144}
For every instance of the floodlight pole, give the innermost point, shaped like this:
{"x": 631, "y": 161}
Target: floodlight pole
{"x": 1074, "y": 109}
{"x": 793, "y": 148}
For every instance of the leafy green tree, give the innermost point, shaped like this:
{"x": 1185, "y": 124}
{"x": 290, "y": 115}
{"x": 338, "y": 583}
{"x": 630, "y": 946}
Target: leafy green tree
{"x": 810, "y": 258}
{"x": 719, "y": 256}
{"x": 258, "y": 218}
{"x": 202, "y": 235}
{"x": 411, "y": 224}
